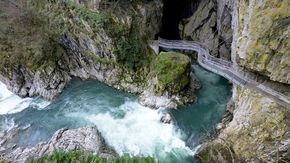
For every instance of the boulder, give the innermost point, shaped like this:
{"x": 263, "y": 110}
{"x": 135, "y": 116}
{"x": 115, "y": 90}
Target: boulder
{"x": 86, "y": 139}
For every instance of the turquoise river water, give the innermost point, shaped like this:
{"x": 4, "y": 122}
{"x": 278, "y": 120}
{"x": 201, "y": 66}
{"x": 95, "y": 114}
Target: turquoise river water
{"x": 125, "y": 124}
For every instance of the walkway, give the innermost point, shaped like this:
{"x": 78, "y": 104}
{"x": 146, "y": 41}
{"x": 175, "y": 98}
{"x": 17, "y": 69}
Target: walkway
{"x": 225, "y": 69}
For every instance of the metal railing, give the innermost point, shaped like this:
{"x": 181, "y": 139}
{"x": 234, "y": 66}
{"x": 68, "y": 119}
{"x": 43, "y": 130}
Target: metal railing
{"x": 224, "y": 68}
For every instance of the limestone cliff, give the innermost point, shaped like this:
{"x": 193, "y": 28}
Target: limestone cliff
{"x": 210, "y": 24}
{"x": 259, "y": 127}
{"x": 263, "y": 43}
{"x": 46, "y": 43}
{"x": 259, "y": 132}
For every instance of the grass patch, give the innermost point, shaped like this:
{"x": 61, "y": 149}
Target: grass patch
{"x": 82, "y": 157}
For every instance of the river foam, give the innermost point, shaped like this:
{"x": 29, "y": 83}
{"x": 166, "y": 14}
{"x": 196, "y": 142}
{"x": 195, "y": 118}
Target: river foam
{"x": 140, "y": 132}
{"x": 11, "y": 103}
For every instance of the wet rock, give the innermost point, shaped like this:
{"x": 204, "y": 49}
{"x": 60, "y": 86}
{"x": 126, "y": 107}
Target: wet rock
{"x": 167, "y": 119}
{"x": 258, "y": 131}
{"x": 172, "y": 82}
{"x": 85, "y": 139}
{"x": 81, "y": 52}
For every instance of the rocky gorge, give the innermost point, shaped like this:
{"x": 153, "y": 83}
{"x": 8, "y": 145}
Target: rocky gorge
{"x": 253, "y": 35}
{"x": 45, "y": 44}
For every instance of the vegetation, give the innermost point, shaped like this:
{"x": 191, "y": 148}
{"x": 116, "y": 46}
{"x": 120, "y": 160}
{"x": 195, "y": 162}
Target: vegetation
{"x": 82, "y": 157}
{"x": 67, "y": 16}
{"x": 172, "y": 71}
{"x": 25, "y": 40}
{"x": 30, "y": 33}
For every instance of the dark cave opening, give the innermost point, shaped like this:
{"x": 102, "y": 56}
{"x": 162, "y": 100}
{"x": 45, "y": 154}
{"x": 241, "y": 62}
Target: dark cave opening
{"x": 173, "y": 12}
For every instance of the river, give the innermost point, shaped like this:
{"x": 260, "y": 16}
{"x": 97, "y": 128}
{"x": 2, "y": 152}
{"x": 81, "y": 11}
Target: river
{"x": 124, "y": 123}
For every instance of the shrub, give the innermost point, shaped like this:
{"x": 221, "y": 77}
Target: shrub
{"x": 82, "y": 157}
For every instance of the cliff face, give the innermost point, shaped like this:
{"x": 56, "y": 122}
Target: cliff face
{"x": 259, "y": 132}
{"x": 263, "y": 43}
{"x": 259, "y": 129}
{"x": 44, "y": 44}
{"x": 211, "y": 25}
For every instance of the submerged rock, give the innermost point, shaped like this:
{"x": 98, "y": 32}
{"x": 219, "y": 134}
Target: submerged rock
{"x": 86, "y": 139}
{"x": 167, "y": 119}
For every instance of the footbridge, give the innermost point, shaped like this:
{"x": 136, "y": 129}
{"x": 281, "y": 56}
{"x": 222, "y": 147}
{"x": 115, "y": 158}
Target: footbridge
{"x": 224, "y": 68}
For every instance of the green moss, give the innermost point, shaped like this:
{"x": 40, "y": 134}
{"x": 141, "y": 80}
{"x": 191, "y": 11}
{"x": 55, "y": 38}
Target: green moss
{"x": 130, "y": 48}
{"x": 269, "y": 44}
{"x": 172, "y": 71}
{"x": 26, "y": 41}
{"x": 215, "y": 152}
{"x": 34, "y": 43}
{"x": 82, "y": 157}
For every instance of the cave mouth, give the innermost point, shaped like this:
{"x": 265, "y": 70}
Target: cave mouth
{"x": 173, "y": 12}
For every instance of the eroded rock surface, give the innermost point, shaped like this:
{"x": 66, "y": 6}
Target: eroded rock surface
{"x": 171, "y": 83}
{"x": 85, "y": 139}
{"x": 256, "y": 128}
{"x": 44, "y": 45}
{"x": 259, "y": 132}
{"x": 262, "y": 38}
{"x": 211, "y": 25}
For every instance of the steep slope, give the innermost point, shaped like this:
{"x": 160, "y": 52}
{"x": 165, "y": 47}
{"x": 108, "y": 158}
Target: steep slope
{"x": 256, "y": 128}
{"x": 263, "y": 43}
{"x": 46, "y": 43}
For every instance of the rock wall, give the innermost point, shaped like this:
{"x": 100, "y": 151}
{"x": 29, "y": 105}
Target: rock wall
{"x": 257, "y": 128}
{"x": 210, "y": 24}
{"x": 263, "y": 43}
{"x": 259, "y": 132}
{"x": 84, "y": 139}
{"x": 45, "y": 44}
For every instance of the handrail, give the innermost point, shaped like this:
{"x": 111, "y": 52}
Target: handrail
{"x": 223, "y": 68}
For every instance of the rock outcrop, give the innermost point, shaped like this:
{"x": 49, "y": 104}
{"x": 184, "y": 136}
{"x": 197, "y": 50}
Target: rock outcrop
{"x": 85, "y": 139}
{"x": 211, "y": 25}
{"x": 45, "y": 44}
{"x": 262, "y": 38}
{"x": 259, "y": 132}
{"x": 171, "y": 83}
{"x": 256, "y": 128}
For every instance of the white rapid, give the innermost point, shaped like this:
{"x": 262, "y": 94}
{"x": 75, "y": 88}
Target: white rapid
{"x": 140, "y": 132}
{"x": 11, "y": 103}
{"x": 127, "y": 126}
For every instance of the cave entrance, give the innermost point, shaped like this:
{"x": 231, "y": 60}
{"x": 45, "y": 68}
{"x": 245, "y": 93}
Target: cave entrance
{"x": 173, "y": 12}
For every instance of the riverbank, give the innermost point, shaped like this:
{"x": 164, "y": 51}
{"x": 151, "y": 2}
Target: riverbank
{"x": 127, "y": 126}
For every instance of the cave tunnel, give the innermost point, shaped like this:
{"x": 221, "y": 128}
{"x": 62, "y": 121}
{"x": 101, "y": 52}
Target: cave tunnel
{"x": 173, "y": 12}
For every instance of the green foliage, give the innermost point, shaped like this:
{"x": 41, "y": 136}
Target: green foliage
{"x": 172, "y": 71}
{"x": 67, "y": 16}
{"x": 82, "y": 157}
{"x": 32, "y": 40}
{"x": 26, "y": 41}
{"x": 129, "y": 46}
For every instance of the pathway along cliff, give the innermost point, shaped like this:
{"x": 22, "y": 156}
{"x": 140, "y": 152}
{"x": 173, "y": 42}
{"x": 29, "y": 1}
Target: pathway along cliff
{"x": 225, "y": 69}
